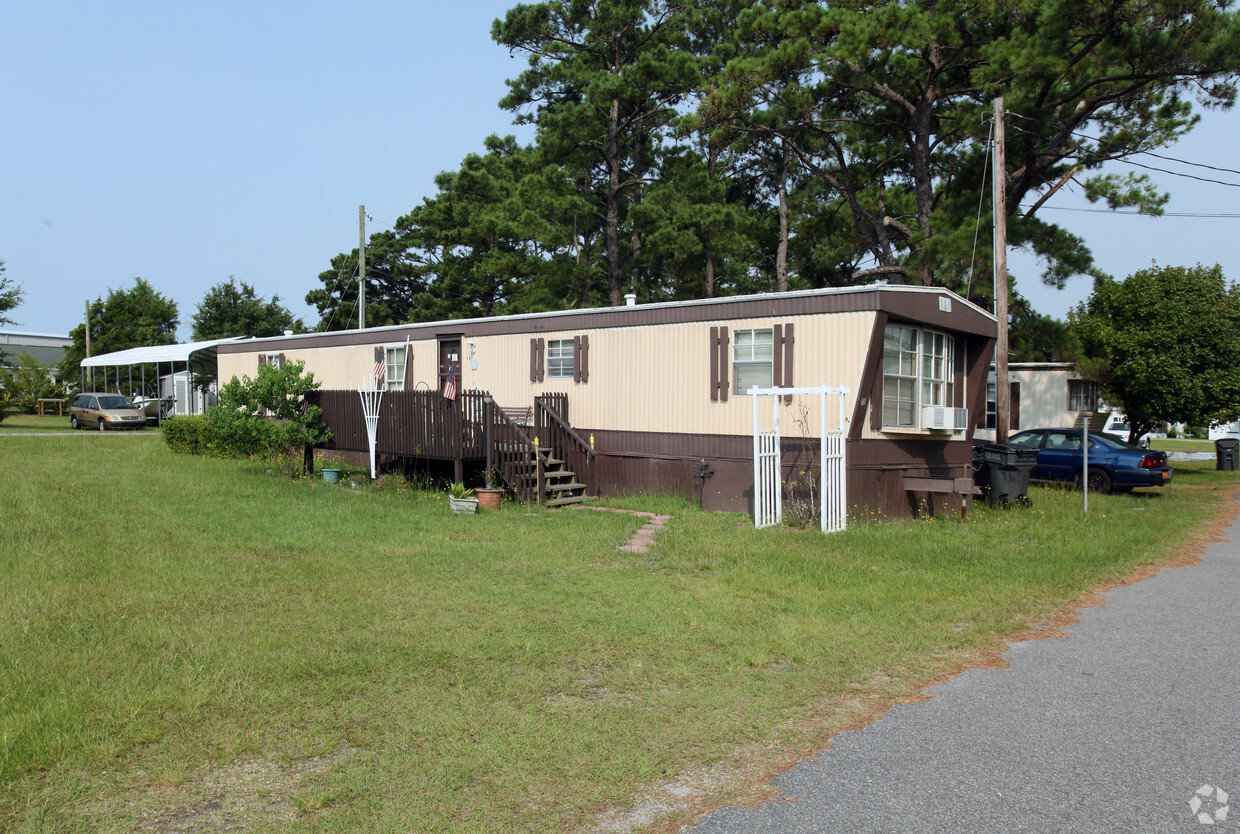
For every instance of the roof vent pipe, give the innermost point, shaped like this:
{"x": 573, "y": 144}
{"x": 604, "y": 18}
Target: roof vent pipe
{"x": 630, "y": 299}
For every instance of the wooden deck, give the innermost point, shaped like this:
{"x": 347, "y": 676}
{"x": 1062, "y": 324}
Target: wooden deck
{"x": 527, "y": 453}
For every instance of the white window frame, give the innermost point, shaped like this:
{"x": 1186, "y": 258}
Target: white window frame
{"x": 561, "y": 359}
{"x": 394, "y": 378}
{"x": 918, "y": 370}
{"x": 748, "y": 347}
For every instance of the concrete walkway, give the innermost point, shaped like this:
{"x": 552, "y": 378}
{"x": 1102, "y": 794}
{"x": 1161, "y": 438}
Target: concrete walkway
{"x": 1131, "y": 724}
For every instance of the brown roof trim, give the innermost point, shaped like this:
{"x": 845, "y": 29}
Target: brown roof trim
{"x": 931, "y": 306}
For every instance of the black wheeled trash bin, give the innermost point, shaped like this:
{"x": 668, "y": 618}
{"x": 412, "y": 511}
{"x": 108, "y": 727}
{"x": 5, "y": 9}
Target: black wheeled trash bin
{"x": 1227, "y": 454}
{"x": 1002, "y": 471}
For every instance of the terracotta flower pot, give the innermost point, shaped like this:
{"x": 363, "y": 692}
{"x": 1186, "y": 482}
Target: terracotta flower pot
{"x": 489, "y": 499}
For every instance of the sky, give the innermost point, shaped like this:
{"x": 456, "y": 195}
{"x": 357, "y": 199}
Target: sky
{"x": 187, "y": 143}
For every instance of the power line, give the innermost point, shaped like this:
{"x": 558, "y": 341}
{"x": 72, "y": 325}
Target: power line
{"x": 1141, "y": 213}
{"x": 1137, "y": 164}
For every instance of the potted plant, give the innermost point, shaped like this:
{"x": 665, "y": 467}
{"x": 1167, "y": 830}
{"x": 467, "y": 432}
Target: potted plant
{"x": 461, "y": 499}
{"x": 490, "y": 496}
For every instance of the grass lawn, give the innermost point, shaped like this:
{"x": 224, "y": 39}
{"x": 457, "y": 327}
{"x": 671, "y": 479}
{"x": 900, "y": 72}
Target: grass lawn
{"x": 1180, "y": 444}
{"x": 15, "y": 423}
{"x": 192, "y": 644}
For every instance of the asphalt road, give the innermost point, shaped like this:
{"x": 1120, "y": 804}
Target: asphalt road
{"x": 1118, "y": 728}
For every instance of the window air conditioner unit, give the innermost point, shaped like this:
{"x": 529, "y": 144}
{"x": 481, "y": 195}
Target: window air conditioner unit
{"x": 944, "y": 418}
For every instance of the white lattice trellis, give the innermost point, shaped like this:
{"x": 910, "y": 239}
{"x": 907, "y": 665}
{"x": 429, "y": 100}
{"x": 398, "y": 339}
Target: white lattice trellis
{"x": 768, "y": 459}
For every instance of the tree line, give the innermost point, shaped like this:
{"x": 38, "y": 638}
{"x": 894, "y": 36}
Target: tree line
{"x": 692, "y": 150}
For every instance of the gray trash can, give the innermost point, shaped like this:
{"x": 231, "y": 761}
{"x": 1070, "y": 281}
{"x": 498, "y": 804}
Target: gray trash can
{"x": 1227, "y": 454}
{"x": 1002, "y": 471}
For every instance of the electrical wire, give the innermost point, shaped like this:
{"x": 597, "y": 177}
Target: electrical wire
{"x": 1142, "y": 213}
{"x": 1129, "y": 161}
{"x": 981, "y": 198}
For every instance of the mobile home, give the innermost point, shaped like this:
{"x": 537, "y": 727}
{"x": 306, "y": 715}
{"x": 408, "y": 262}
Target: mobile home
{"x": 662, "y": 389}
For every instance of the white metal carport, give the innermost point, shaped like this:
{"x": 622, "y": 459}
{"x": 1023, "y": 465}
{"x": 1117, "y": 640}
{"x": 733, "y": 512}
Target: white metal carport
{"x": 190, "y": 356}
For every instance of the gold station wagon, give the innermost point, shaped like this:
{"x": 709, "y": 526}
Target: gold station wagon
{"x": 104, "y": 411}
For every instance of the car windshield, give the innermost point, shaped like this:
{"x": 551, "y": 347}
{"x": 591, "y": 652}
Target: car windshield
{"x": 114, "y": 402}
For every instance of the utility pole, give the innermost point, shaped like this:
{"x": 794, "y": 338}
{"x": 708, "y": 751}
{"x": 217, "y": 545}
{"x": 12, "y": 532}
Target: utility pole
{"x": 361, "y": 268}
{"x": 1003, "y": 392}
{"x": 87, "y": 331}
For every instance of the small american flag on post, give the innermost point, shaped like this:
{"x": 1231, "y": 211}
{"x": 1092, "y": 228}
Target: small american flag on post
{"x": 449, "y": 386}
{"x": 380, "y": 368}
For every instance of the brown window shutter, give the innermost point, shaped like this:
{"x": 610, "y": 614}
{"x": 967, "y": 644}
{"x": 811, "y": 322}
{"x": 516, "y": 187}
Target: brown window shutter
{"x": 582, "y": 360}
{"x": 262, "y": 359}
{"x": 720, "y": 365}
{"x": 408, "y": 369}
{"x": 777, "y": 356}
{"x": 1014, "y": 416}
{"x": 281, "y": 360}
{"x": 542, "y": 359}
{"x": 576, "y": 359}
{"x": 789, "y": 341}
{"x": 536, "y": 359}
{"x": 714, "y": 364}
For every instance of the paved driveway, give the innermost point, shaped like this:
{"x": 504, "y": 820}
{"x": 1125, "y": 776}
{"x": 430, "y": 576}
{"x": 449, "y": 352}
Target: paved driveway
{"x": 1131, "y": 724}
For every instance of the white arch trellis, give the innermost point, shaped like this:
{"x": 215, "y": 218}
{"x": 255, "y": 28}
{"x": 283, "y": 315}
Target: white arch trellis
{"x": 767, "y": 459}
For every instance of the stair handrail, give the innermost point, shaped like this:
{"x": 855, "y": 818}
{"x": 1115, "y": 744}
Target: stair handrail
{"x": 566, "y": 431}
{"x": 505, "y": 430}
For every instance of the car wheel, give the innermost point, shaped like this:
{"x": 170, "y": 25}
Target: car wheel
{"x": 1099, "y": 481}
{"x": 73, "y": 422}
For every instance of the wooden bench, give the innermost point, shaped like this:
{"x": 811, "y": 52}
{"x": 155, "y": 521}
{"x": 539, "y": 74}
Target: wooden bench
{"x": 521, "y": 415}
{"x": 964, "y": 487}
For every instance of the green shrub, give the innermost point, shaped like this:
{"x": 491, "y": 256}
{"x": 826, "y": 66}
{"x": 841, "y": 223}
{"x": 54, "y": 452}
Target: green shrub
{"x": 191, "y": 435}
{"x": 268, "y": 415}
{"x": 28, "y": 382}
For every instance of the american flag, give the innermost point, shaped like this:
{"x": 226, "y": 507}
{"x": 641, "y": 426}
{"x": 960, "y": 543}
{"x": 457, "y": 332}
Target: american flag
{"x": 449, "y": 387}
{"x": 380, "y": 368}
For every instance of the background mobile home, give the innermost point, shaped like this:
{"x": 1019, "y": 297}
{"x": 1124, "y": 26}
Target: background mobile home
{"x": 1044, "y": 395}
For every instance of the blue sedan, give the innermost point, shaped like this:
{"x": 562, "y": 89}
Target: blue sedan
{"x": 1113, "y": 464}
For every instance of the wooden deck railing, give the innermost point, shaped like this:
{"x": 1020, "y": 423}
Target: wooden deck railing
{"x": 422, "y": 424}
{"x": 411, "y": 424}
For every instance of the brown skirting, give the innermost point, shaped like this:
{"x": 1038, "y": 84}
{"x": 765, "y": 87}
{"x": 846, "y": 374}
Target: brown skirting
{"x": 631, "y": 463}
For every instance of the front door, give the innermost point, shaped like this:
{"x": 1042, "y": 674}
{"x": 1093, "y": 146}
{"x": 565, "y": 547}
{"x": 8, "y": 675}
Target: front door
{"x": 449, "y": 360}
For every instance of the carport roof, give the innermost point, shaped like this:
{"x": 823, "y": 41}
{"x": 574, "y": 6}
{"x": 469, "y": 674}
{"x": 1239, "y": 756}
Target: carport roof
{"x": 159, "y": 353}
